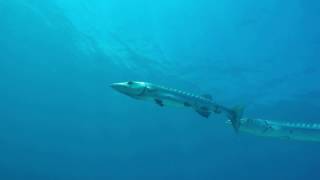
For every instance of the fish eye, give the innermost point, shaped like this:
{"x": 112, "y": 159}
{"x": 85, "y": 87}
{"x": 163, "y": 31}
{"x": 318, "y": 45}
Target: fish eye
{"x": 130, "y": 82}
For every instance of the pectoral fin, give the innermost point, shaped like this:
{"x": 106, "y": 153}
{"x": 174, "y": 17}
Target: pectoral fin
{"x": 159, "y": 102}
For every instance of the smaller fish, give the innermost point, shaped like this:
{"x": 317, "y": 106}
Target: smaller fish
{"x": 163, "y": 96}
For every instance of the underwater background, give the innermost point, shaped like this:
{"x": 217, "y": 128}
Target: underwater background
{"x": 59, "y": 119}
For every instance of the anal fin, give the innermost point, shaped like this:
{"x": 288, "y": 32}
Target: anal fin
{"x": 204, "y": 112}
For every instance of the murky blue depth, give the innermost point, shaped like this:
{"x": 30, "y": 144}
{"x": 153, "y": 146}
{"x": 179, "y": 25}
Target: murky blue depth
{"x": 60, "y": 120}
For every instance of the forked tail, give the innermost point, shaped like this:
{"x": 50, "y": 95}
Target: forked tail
{"x": 235, "y": 114}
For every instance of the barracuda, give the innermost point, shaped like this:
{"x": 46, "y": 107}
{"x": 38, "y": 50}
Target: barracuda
{"x": 163, "y": 96}
{"x": 290, "y": 131}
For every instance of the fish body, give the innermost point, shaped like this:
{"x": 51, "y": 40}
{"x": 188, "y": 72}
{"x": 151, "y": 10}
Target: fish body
{"x": 289, "y": 131}
{"x": 164, "y": 96}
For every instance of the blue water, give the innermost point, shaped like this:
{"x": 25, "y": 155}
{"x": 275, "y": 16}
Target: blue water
{"x": 60, "y": 120}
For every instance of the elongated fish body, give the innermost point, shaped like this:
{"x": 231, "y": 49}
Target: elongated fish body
{"x": 177, "y": 98}
{"x": 290, "y": 131}
{"x": 163, "y": 96}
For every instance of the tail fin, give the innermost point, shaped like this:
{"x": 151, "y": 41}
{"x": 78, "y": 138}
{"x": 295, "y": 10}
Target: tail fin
{"x": 235, "y": 115}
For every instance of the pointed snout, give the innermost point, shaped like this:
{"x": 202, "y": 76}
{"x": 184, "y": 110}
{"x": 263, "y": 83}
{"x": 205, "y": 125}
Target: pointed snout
{"x": 113, "y": 85}
{"x": 116, "y": 86}
{"x": 128, "y": 88}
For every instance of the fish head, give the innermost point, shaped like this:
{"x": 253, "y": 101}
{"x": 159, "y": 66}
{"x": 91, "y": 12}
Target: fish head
{"x": 133, "y": 89}
{"x": 244, "y": 123}
{"x": 255, "y": 126}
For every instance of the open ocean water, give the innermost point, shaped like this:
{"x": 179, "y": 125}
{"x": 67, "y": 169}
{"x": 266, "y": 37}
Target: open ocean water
{"x": 60, "y": 120}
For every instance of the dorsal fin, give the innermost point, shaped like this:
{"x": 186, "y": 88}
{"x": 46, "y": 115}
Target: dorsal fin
{"x": 207, "y": 96}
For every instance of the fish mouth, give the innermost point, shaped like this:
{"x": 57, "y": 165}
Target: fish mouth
{"x": 113, "y": 85}
{"x": 116, "y": 86}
